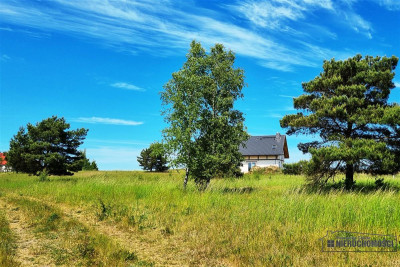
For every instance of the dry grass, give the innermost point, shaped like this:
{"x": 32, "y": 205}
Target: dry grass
{"x": 259, "y": 220}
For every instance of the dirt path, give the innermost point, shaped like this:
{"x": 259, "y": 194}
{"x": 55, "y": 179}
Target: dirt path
{"x": 29, "y": 251}
{"x": 160, "y": 251}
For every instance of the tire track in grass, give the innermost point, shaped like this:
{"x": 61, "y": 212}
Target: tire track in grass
{"x": 69, "y": 241}
{"x": 161, "y": 252}
{"x": 28, "y": 251}
{"x": 158, "y": 253}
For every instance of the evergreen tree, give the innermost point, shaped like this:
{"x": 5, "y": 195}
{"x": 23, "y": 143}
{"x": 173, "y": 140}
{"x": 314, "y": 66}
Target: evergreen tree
{"x": 87, "y": 165}
{"x": 47, "y": 146}
{"x": 153, "y": 157}
{"x": 347, "y": 105}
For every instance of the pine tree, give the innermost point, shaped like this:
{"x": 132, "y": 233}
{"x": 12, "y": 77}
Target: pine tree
{"x": 47, "y": 146}
{"x": 347, "y": 106}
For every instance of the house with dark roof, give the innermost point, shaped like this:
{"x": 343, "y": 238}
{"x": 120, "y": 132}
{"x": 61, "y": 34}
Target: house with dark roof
{"x": 264, "y": 151}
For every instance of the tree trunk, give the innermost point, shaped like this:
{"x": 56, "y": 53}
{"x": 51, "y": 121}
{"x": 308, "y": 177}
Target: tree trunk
{"x": 349, "y": 176}
{"x": 185, "y": 181}
{"x": 208, "y": 182}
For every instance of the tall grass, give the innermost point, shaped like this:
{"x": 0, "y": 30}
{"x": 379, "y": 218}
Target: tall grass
{"x": 268, "y": 220}
{"x": 68, "y": 242}
{"x": 7, "y": 243}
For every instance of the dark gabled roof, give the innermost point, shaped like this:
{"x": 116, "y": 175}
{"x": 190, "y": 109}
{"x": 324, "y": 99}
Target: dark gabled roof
{"x": 265, "y": 145}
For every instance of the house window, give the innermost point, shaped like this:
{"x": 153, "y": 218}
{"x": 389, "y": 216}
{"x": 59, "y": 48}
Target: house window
{"x": 251, "y": 165}
{"x": 273, "y": 146}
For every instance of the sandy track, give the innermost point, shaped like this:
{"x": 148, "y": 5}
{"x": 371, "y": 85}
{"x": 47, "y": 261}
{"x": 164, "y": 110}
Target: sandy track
{"x": 29, "y": 250}
{"x": 162, "y": 252}
{"x": 154, "y": 252}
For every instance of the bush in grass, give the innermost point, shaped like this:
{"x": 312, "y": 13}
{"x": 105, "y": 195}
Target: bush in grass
{"x": 296, "y": 168}
{"x": 265, "y": 170}
{"x": 44, "y": 176}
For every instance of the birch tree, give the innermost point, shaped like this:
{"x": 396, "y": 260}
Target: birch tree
{"x": 204, "y": 129}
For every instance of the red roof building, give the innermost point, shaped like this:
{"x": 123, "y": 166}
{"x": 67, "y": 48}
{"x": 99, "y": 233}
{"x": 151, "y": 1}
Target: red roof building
{"x": 2, "y": 159}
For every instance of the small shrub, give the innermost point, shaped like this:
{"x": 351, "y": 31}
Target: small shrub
{"x": 86, "y": 248}
{"x": 257, "y": 170}
{"x": 167, "y": 231}
{"x": 131, "y": 220}
{"x": 104, "y": 211}
{"x": 379, "y": 182}
{"x": 239, "y": 190}
{"x": 44, "y": 176}
{"x": 296, "y": 168}
{"x": 53, "y": 217}
{"x": 271, "y": 169}
{"x": 124, "y": 255}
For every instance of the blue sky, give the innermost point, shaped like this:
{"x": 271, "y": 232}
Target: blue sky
{"x": 102, "y": 64}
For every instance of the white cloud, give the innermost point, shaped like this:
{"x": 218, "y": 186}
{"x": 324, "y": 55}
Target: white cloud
{"x": 108, "y": 121}
{"x": 275, "y": 14}
{"x": 164, "y": 28}
{"x": 357, "y": 23}
{"x": 127, "y": 86}
{"x": 397, "y": 84}
{"x": 274, "y": 115}
{"x": 272, "y": 14}
{"x": 390, "y": 4}
{"x": 287, "y": 96}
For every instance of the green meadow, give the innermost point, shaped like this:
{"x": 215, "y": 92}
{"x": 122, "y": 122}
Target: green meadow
{"x": 146, "y": 219}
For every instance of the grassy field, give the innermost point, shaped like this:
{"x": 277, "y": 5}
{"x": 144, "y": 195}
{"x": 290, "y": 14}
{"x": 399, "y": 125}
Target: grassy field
{"x": 146, "y": 219}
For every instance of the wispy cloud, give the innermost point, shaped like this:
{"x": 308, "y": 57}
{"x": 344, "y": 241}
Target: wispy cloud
{"x": 273, "y": 14}
{"x": 165, "y": 28}
{"x": 107, "y": 121}
{"x": 274, "y": 115}
{"x": 127, "y": 86}
{"x": 287, "y": 96}
{"x": 397, "y": 84}
{"x": 390, "y": 4}
{"x": 357, "y": 23}
{"x": 4, "y": 58}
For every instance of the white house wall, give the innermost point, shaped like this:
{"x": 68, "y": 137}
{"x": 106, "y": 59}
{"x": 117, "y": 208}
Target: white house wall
{"x": 262, "y": 163}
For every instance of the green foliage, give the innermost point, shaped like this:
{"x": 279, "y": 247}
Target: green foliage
{"x": 204, "y": 130}
{"x": 7, "y": 243}
{"x": 104, "y": 210}
{"x": 154, "y": 157}
{"x": 87, "y": 165}
{"x": 296, "y": 168}
{"x": 47, "y": 145}
{"x": 347, "y": 105}
{"x": 44, "y": 176}
{"x": 379, "y": 182}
